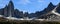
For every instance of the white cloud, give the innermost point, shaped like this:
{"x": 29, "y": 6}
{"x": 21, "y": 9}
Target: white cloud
{"x": 24, "y": 2}
{"x": 40, "y": 0}
{"x": 24, "y": 11}
{"x": 3, "y": 3}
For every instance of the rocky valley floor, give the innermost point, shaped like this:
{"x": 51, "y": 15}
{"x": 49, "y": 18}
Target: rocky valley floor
{"x": 6, "y": 21}
{"x": 29, "y": 22}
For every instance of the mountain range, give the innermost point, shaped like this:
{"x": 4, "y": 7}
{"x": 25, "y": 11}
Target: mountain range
{"x": 9, "y": 10}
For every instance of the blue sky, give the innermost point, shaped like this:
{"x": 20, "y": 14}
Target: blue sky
{"x": 30, "y": 6}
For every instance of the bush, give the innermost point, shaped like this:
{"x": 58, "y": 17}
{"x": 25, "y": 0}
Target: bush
{"x": 31, "y": 22}
{"x": 51, "y": 23}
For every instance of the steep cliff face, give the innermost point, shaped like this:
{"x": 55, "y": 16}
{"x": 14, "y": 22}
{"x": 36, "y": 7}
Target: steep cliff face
{"x": 2, "y": 11}
{"x": 10, "y": 10}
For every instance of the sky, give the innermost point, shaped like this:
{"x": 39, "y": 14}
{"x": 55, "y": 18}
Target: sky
{"x": 30, "y": 6}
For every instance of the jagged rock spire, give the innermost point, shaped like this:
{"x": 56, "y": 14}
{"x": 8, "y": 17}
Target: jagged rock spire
{"x": 50, "y": 4}
{"x": 47, "y": 10}
{"x": 11, "y": 5}
{"x": 10, "y": 8}
{"x": 50, "y": 7}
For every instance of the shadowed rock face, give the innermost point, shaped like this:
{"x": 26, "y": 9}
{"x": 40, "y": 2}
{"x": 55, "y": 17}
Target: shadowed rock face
{"x": 58, "y": 8}
{"x": 2, "y": 11}
{"x": 18, "y": 14}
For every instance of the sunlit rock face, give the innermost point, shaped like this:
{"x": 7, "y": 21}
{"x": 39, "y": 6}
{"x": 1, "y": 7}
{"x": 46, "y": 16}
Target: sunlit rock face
{"x": 56, "y": 16}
